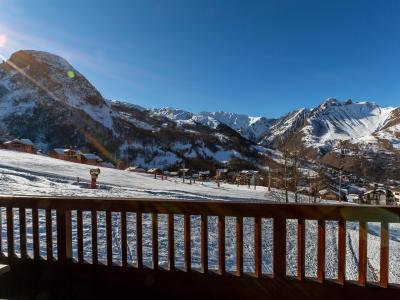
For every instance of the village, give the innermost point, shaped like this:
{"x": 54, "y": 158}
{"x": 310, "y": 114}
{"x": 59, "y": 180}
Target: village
{"x": 306, "y": 185}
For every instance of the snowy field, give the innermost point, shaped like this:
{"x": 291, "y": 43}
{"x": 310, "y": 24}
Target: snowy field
{"x": 26, "y": 174}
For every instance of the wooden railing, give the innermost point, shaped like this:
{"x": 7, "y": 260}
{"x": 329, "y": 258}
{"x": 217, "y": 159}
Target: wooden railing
{"x": 16, "y": 209}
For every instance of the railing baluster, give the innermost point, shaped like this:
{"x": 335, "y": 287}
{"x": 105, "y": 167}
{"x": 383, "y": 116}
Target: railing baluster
{"x": 279, "y": 250}
{"x": 109, "y": 238}
{"x": 362, "y": 248}
{"x": 49, "y": 235}
{"x": 35, "y": 233}
{"x": 341, "y": 251}
{"x": 187, "y": 241}
{"x": 124, "y": 242}
{"x": 22, "y": 232}
{"x": 239, "y": 246}
{"x": 79, "y": 229}
{"x": 154, "y": 228}
{"x": 1, "y": 232}
{"x": 204, "y": 244}
{"x": 221, "y": 245}
{"x": 171, "y": 243}
{"x": 10, "y": 233}
{"x": 384, "y": 261}
{"x": 257, "y": 246}
{"x": 95, "y": 258}
{"x": 139, "y": 238}
{"x": 301, "y": 248}
{"x": 64, "y": 235}
{"x": 321, "y": 251}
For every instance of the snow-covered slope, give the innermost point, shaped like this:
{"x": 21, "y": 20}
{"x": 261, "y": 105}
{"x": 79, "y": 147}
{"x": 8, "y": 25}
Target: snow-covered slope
{"x": 28, "y": 174}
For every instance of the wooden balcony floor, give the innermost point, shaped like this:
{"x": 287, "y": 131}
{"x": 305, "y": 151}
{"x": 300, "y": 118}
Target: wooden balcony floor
{"x": 39, "y": 280}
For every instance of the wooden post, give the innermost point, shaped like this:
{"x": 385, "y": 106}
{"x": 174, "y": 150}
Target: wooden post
{"x": 171, "y": 242}
{"x": 109, "y": 238}
{"x": 321, "y": 251}
{"x": 362, "y": 248}
{"x": 139, "y": 238}
{"x": 10, "y": 232}
{"x": 204, "y": 244}
{"x": 154, "y": 227}
{"x": 95, "y": 258}
{"x": 384, "y": 267}
{"x": 22, "y": 232}
{"x": 279, "y": 242}
{"x": 257, "y": 247}
{"x": 341, "y": 252}
{"x": 79, "y": 229}
{"x": 239, "y": 246}
{"x": 35, "y": 233}
{"x": 221, "y": 245}
{"x": 187, "y": 241}
{"x": 301, "y": 248}
{"x": 124, "y": 243}
{"x": 64, "y": 235}
{"x": 49, "y": 235}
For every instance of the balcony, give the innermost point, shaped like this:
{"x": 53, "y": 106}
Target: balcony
{"x": 117, "y": 248}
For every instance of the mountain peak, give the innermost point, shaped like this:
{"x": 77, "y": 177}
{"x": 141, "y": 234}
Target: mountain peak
{"x": 33, "y": 58}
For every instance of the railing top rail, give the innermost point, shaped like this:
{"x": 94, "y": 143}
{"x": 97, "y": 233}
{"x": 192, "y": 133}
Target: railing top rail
{"x": 240, "y": 208}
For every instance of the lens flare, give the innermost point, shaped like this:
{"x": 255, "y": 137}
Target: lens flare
{"x": 3, "y": 40}
{"x": 71, "y": 74}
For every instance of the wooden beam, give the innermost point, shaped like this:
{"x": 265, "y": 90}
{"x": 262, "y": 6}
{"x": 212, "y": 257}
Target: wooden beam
{"x": 239, "y": 246}
{"x": 384, "y": 261}
{"x": 204, "y": 244}
{"x": 187, "y": 241}
{"x": 221, "y": 245}
{"x": 257, "y": 246}
{"x": 341, "y": 252}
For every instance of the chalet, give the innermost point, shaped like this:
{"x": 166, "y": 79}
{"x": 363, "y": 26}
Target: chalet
{"x": 136, "y": 169}
{"x": 396, "y": 194}
{"x": 375, "y": 196}
{"x": 69, "y": 154}
{"x": 91, "y": 159}
{"x": 21, "y": 145}
{"x": 328, "y": 194}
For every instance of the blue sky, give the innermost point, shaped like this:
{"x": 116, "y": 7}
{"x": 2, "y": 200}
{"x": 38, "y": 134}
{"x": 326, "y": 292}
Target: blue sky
{"x": 254, "y": 57}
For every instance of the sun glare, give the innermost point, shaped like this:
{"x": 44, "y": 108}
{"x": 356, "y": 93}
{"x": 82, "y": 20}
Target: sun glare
{"x": 3, "y": 40}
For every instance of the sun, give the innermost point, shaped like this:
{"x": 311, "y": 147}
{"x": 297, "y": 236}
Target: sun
{"x": 3, "y": 40}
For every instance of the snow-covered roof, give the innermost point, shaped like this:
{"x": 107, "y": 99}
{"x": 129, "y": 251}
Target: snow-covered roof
{"x": 27, "y": 142}
{"x": 91, "y": 156}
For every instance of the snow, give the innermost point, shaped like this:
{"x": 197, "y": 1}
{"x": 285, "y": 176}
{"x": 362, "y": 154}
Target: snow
{"x": 28, "y": 174}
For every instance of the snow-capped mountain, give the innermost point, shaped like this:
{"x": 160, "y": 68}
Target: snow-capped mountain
{"x": 333, "y": 122}
{"x": 42, "y": 97}
{"x": 252, "y": 128}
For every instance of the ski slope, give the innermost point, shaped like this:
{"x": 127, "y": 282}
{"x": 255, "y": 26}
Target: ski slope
{"x": 27, "y": 174}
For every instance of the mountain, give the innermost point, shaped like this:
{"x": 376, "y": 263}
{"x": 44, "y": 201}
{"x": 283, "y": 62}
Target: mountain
{"x": 45, "y": 99}
{"x": 42, "y": 97}
{"x": 357, "y": 136}
{"x": 252, "y": 128}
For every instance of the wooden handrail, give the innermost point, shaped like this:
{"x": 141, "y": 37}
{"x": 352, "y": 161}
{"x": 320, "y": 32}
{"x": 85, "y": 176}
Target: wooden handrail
{"x": 280, "y": 213}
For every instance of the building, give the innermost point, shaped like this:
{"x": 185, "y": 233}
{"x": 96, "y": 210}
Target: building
{"x": 21, "y": 145}
{"x": 375, "y": 196}
{"x": 91, "y": 159}
{"x": 69, "y": 154}
{"x": 136, "y": 169}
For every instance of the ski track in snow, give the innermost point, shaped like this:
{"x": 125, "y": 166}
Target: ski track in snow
{"x": 22, "y": 173}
